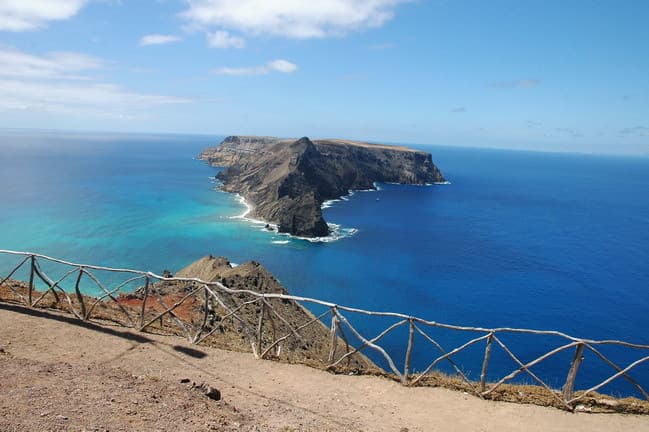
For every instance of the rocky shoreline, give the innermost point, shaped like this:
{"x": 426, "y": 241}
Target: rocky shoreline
{"x": 285, "y": 182}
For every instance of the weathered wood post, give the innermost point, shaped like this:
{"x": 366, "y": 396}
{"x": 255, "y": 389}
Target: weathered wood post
{"x": 32, "y": 269}
{"x": 406, "y": 363}
{"x": 206, "y": 314}
{"x": 333, "y": 343}
{"x": 146, "y": 296}
{"x": 485, "y": 363}
{"x": 572, "y": 373}
{"x": 260, "y": 327}
{"x": 77, "y": 291}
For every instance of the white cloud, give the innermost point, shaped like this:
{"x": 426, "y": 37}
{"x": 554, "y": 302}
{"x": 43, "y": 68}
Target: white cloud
{"x": 291, "y": 18}
{"x": 223, "y": 39}
{"x": 23, "y": 15}
{"x": 282, "y": 66}
{"x": 59, "y": 65}
{"x": 158, "y": 39}
{"x": 78, "y": 98}
{"x": 50, "y": 83}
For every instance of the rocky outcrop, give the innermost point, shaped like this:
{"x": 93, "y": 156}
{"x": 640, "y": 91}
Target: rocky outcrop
{"x": 286, "y": 181}
{"x": 311, "y": 345}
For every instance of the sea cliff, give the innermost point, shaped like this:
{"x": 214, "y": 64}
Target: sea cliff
{"x": 286, "y": 181}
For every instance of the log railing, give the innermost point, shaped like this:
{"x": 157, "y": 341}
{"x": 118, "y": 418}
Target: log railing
{"x": 208, "y": 293}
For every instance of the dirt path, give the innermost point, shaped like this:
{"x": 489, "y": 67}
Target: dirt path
{"x": 55, "y": 375}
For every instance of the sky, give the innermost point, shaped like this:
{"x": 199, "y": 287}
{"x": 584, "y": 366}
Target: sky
{"x": 525, "y": 74}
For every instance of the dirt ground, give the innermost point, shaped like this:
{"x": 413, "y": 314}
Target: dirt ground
{"x": 59, "y": 375}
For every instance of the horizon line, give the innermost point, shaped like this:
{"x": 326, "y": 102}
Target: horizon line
{"x": 369, "y": 141}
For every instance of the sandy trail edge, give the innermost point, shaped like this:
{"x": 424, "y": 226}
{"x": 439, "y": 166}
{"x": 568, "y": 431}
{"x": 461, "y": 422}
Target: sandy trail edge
{"x": 281, "y": 395}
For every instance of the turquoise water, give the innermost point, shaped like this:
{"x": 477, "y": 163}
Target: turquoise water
{"x": 519, "y": 239}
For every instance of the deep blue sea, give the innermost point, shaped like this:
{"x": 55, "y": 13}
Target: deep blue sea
{"x": 518, "y": 239}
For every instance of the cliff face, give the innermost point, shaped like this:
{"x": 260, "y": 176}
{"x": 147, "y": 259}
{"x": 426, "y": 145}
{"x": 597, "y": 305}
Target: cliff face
{"x": 286, "y": 181}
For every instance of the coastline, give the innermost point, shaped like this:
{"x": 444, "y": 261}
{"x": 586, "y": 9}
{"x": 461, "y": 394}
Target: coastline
{"x": 337, "y": 232}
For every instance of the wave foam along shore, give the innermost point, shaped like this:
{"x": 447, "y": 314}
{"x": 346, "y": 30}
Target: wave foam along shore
{"x": 248, "y": 210}
{"x": 329, "y": 203}
{"x": 337, "y": 233}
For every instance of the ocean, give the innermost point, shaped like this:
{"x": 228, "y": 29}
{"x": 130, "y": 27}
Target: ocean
{"x": 518, "y": 239}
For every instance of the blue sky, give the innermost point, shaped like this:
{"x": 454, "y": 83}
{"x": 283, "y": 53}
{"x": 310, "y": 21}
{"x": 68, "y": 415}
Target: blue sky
{"x": 549, "y": 75}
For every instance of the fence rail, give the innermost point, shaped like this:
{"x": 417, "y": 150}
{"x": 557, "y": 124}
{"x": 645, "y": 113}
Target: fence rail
{"x": 206, "y": 294}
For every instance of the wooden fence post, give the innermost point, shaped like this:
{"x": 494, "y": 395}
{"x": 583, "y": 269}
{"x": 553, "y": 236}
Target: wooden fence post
{"x": 77, "y": 291}
{"x": 406, "y": 363}
{"x": 485, "y": 363}
{"x": 32, "y": 268}
{"x": 572, "y": 373}
{"x": 333, "y": 336}
{"x": 206, "y": 314}
{"x": 146, "y": 295}
{"x": 260, "y": 327}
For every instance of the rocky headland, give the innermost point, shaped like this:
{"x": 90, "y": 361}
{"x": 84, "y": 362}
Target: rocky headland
{"x": 286, "y": 181}
{"x": 311, "y": 347}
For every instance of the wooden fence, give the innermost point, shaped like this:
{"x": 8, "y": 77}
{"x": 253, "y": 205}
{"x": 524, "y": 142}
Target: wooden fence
{"x": 83, "y": 307}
